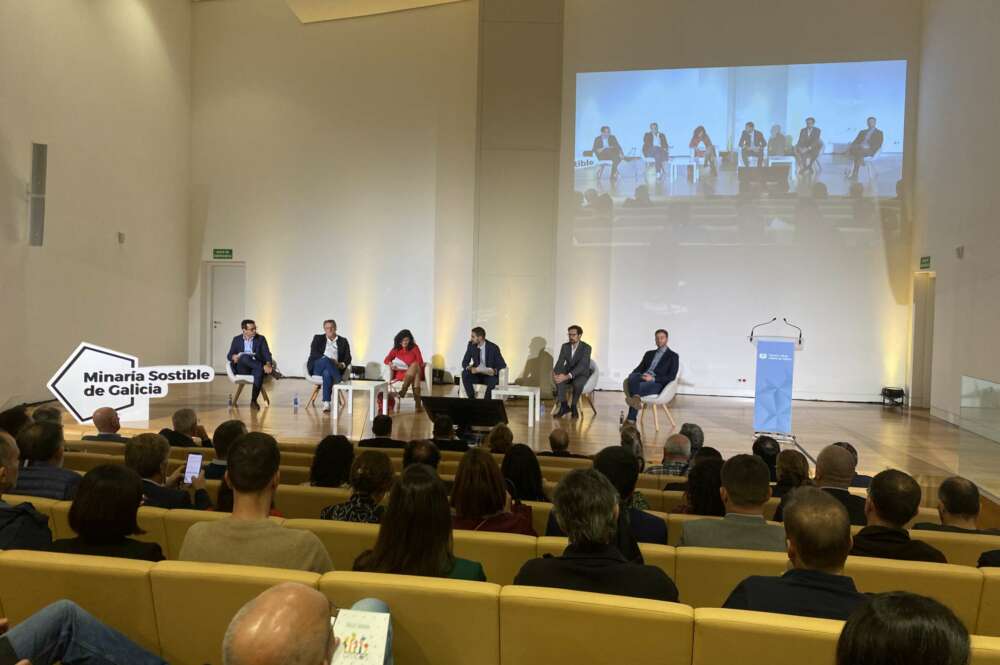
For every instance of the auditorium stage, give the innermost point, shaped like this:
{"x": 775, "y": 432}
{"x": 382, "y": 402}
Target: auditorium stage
{"x": 908, "y": 440}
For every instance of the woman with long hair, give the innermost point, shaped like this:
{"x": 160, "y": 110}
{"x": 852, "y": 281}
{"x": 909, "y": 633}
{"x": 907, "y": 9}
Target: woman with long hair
{"x": 701, "y": 146}
{"x": 406, "y": 364}
{"x": 702, "y": 496}
{"x": 415, "y": 535}
{"x": 331, "y": 466}
{"x": 792, "y": 469}
{"x": 523, "y": 474}
{"x": 480, "y": 500}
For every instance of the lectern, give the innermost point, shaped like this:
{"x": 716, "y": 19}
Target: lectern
{"x": 775, "y": 362}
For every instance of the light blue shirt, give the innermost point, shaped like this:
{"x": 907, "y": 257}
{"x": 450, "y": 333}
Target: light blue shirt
{"x": 482, "y": 355}
{"x": 657, "y": 357}
{"x": 248, "y": 345}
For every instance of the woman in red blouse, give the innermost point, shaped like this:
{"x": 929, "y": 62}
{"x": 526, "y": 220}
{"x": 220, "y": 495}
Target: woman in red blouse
{"x": 406, "y": 352}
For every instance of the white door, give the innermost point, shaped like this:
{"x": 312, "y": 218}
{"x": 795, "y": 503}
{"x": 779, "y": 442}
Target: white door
{"x": 923, "y": 340}
{"x": 227, "y": 308}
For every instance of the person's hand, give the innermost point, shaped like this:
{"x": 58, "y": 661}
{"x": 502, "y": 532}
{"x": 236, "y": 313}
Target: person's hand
{"x": 473, "y": 369}
{"x": 268, "y": 369}
{"x": 175, "y": 478}
{"x": 235, "y": 358}
{"x": 198, "y": 482}
{"x": 341, "y": 366}
{"x": 199, "y": 431}
{"x": 647, "y": 377}
{"x": 4, "y": 625}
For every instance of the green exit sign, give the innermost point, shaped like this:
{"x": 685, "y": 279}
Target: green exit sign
{"x": 227, "y": 254}
{"x": 925, "y": 263}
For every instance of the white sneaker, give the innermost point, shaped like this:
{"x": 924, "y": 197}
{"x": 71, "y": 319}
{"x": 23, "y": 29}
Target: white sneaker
{"x": 326, "y": 407}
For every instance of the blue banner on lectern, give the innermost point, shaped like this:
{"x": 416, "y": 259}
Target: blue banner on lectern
{"x": 773, "y": 393}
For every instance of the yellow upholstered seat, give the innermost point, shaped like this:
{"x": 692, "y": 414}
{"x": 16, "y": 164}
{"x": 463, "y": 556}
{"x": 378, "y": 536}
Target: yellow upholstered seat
{"x": 555, "y": 473}
{"x": 961, "y": 548}
{"x": 543, "y": 626}
{"x": 758, "y": 638}
{"x": 989, "y": 605}
{"x": 502, "y": 554}
{"x": 539, "y": 515}
{"x": 294, "y": 475}
{"x": 181, "y": 453}
{"x": 150, "y": 520}
{"x": 84, "y": 462}
{"x": 653, "y": 481}
{"x": 98, "y": 447}
{"x": 985, "y": 650}
{"x": 661, "y": 556}
{"x": 41, "y": 504}
{"x": 567, "y": 462}
{"x": 296, "y": 459}
{"x": 195, "y": 602}
{"x": 434, "y": 621}
{"x": 706, "y": 576}
{"x": 675, "y": 525}
{"x": 343, "y": 540}
{"x": 116, "y": 591}
{"x": 305, "y": 502}
{"x": 446, "y": 467}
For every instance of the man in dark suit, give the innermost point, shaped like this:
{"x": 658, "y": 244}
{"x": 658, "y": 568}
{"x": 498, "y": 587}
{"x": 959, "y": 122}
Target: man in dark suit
{"x": 586, "y": 506}
{"x": 329, "y": 357}
{"x": 225, "y": 435}
{"x": 893, "y": 500}
{"x": 606, "y": 147}
{"x": 572, "y": 369}
{"x": 808, "y": 146}
{"x": 481, "y": 364}
{"x": 382, "y": 434}
{"x": 865, "y": 144}
{"x": 752, "y": 144}
{"x": 187, "y": 431}
{"x": 834, "y": 471}
{"x": 249, "y": 354}
{"x": 149, "y": 455}
{"x": 819, "y": 539}
{"x": 42, "y": 475}
{"x": 958, "y": 508}
{"x": 21, "y": 526}
{"x": 660, "y": 152}
{"x": 657, "y": 369}
{"x": 107, "y": 423}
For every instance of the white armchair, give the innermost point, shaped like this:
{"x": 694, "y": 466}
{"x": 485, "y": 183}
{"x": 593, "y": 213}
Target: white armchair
{"x": 241, "y": 380}
{"x": 394, "y": 384}
{"x": 588, "y": 388}
{"x": 662, "y": 401}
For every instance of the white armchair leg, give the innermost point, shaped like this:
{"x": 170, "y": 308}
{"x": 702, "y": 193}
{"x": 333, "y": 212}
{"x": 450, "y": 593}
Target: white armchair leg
{"x": 670, "y": 417}
{"x": 656, "y": 419}
{"x": 239, "y": 390}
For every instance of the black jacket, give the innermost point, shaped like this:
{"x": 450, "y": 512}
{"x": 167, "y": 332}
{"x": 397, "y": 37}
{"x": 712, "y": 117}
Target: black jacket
{"x": 214, "y": 470}
{"x": 126, "y": 548}
{"x": 317, "y": 349}
{"x": 886, "y": 543}
{"x": 643, "y": 528}
{"x": 23, "y": 528}
{"x": 932, "y": 526}
{"x": 665, "y": 371}
{"x": 855, "y": 505}
{"x": 106, "y": 436}
{"x": 552, "y": 453}
{"x": 455, "y": 445}
{"x": 178, "y": 440}
{"x": 807, "y": 593}
{"x": 381, "y": 442}
{"x": 158, "y": 496}
{"x": 598, "y": 570}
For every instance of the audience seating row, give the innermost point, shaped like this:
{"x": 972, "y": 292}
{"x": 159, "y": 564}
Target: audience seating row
{"x": 181, "y": 610}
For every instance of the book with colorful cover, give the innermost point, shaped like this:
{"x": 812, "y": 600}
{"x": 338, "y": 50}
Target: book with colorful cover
{"x": 362, "y": 637}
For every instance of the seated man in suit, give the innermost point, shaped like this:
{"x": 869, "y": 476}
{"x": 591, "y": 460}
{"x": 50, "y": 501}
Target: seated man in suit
{"x": 249, "y": 354}
{"x": 752, "y": 144}
{"x": 43, "y": 475}
{"x": 223, "y": 438}
{"x": 149, "y": 456}
{"x": 819, "y": 539}
{"x": 444, "y": 435}
{"x": 329, "y": 357}
{"x": 585, "y": 504}
{"x": 559, "y": 444}
{"x": 107, "y": 423}
{"x": 746, "y": 487}
{"x": 893, "y": 500}
{"x": 660, "y": 152}
{"x": 21, "y": 526}
{"x": 606, "y": 147}
{"x": 865, "y": 144}
{"x": 657, "y": 369}
{"x": 481, "y": 364}
{"x": 382, "y": 434}
{"x": 958, "y": 508}
{"x": 572, "y": 369}
{"x": 834, "y": 472}
{"x": 187, "y": 431}
{"x": 808, "y": 146}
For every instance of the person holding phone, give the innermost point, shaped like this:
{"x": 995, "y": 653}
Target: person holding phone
{"x": 149, "y": 456}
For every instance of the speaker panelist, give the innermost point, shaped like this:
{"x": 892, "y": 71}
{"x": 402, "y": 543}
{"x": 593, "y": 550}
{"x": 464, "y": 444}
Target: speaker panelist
{"x": 752, "y": 144}
{"x": 808, "y": 146}
{"x": 657, "y": 369}
{"x": 249, "y": 354}
{"x": 329, "y": 357}
{"x": 571, "y": 369}
{"x": 482, "y": 364}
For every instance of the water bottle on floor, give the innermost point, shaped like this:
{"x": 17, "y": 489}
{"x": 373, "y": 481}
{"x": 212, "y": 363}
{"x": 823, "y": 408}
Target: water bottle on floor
{"x": 295, "y": 402}
{"x": 621, "y": 418}
{"x": 230, "y": 400}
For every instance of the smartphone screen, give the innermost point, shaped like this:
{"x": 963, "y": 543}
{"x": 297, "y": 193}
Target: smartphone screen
{"x": 193, "y": 468}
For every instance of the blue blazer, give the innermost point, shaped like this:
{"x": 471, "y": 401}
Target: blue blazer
{"x": 494, "y": 359}
{"x": 665, "y": 372}
{"x": 259, "y": 346}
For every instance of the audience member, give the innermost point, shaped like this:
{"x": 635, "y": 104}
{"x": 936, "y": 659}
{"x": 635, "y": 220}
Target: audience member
{"x": 13, "y": 420}
{"x": 585, "y": 504}
{"x": 47, "y": 414}
{"x": 149, "y": 455}
{"x": 792, "y": 468}
{"x": 559, "y": 444}
{"x": 767, "y": 448}
{"x": 480, "y": 500}
{"x": 834, "y": 471}
{"x": 289, "y": 624}
{"x": 893, "y": 500}
{"x": 819, "y": 539}
{"x": 107, "y": 423}
{"x": 523, "y": 474}
{"x": 958, "y": 508}
{"x": 703, "y": 496}
{"x": 695, "y": 435}
{"x": 676, "y": 457}
{"x": 702, "y": 454}
{"x": 902, "y": 628}
{"x": 415, "y": 537}
{"x": 381, "y": 434}
{"x": 745, "y": 490}
{"x": 371, "y": 478}
{"x": 858, "y": 480}
{"x": 21, "y": 526}
{"x": 421, "y": 451}
{"x": 187, "y": 432}
{"x": 631, "y": 438}
{"x": 444, "y": 435}
{"x": 248, "y": 536}
{"x": 64, "y": 632}
{"x": 499, "y": 439}
{"x": 222, "y": 439}
{"x": 105, "y": 513}
{"x": 42, "y": 474}
{"x": 331, "y": 465}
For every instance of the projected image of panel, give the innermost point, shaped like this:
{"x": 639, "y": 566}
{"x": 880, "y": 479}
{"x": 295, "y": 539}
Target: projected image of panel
{"x": 833, "y": 129}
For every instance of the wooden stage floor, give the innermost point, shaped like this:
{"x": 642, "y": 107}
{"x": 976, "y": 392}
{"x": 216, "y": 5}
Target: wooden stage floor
{"x": 909, "y": 440}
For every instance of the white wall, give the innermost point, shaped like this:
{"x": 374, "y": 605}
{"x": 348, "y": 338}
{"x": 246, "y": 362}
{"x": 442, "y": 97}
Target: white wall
{"x": 106, "y": 84}
{"x": 338, "y": 161}
{"x": 956, "y": 199}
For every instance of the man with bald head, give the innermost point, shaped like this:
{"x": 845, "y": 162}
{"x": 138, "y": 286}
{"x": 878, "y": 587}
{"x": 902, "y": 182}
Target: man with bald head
{"x": 288, "y": 623}
{"x": 818, "y": 538}
{"x": 107, "y": 424}
{"x": 834, "y": 473}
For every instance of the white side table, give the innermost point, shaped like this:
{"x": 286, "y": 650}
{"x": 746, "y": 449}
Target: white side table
{"x": 533, "y": 393}
{"x": 374, "y": 388}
